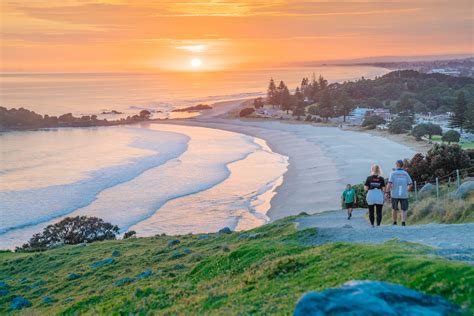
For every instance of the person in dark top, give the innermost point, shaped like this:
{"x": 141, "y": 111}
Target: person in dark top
{"x": 375, "y": 187}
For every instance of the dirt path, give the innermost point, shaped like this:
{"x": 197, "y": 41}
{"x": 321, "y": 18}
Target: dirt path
{"x": 453, "y": 241}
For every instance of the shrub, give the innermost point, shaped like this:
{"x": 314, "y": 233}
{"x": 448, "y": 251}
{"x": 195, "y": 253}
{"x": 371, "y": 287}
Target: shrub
{"x": 308, "y": 118}
{"x": 72, "y": 231}
{"x": 129, "y": 234}
{"x": 361, "y": 196}
{"x": 246, "y": 112}
{"x": 371, "y": 122}
{"x": 451, "y": 136}
{"x": 313, "y": 110}
{"x": 440, "y": 161}
{"x": 400, "y": 125}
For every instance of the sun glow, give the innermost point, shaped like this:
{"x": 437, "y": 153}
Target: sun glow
{"x": 196, "y": 62}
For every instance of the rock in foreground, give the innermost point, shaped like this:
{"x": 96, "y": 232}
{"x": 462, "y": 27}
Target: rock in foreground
{"x": 372, "y": 298}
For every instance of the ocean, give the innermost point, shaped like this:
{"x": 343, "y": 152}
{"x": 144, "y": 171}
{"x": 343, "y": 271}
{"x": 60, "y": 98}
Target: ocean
{"x": 150, "y": 178}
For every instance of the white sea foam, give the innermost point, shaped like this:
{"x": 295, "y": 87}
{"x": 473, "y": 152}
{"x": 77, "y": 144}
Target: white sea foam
{"x": 185, "y": 179}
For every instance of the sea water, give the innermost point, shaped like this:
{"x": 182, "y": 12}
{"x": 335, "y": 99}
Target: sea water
{"x": 153, "y": 179}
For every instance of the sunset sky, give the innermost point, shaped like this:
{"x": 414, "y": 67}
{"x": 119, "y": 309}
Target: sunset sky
{"x": 115, "y": 35}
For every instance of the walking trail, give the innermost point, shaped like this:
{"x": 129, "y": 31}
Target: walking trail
{"x": 453, "y": 241}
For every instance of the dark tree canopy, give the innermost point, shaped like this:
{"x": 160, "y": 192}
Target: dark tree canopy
{"x": 72, "y": 231}
{"x": 372, "y": 121}
{"x": 458, "y": 118}
{"x": 400, "y": 125}
{"x": 451, "y": 136}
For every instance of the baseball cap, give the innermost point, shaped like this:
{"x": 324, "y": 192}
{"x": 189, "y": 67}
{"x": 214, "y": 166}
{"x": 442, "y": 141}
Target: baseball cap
{"x": 400, "y": 162}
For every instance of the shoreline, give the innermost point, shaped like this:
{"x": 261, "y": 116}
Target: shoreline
{"x": 317, "y": 172}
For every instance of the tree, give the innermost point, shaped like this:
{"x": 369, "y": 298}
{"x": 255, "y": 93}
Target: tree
{"x": 246, "y": 112}
{"x": 272, "y": 92}
{"x": 313, "y": 110}
{"x": 470, "y": 117}
{"x": 458, "y": 118}
{"x": 419, "y": 131}
{"x": 322, "y": 83}
{"x": 326, "y": 109}
{"x": 344, "y": 104}
{"x": 400, "y": 125}
{"x": 72, "y": 231}
{"x": 440, "y": 161}
{"x": 285, "y": 98}
{"x": 405, "y": 106}
{"x": 258, "y": 103}
{"x": 434, "y": 129}
{"x": 145, "y": 114}
{"x": 451, "y": 136}
{"x": 372, "y": 121}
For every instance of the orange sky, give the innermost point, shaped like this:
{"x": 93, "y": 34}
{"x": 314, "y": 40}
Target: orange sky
{"x": 115, "y": 35}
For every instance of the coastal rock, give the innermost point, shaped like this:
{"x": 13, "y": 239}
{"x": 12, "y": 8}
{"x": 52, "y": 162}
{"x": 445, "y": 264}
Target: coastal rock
{"x": 249, "y": 235}
{"x": 124, "y": 281}
{"x": 19, "y": 302}
{"x": 4, "y": 292}
{"x": 465, "y": 189}
{"x": 372, "y": 298}
{"x": 179, "y": 266}
{"x": 427, "y": 188}
{"x": 202, "y": 237}
{"x": 187, "y": 251}
{"x": 225, "y": 230}
{"x": 101, "y": 263}
{"x": 116, "y": 253}
{"x": 73, "y": 276}
{"x": 173, "y": 242}
{"x": 3, "y": 285}
{"x": 145, "y": 274}
{"x": 176, "y": 255}
{"x": 48, "y": 300}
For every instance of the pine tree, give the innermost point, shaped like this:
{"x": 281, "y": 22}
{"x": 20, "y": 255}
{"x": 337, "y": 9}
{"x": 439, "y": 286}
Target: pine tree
{"x": 285, "y": 99}
{"x": 322, "y": 83}
{"x": 280, "y": 90}
{"x": 470, "y": 117}
{"x": 272, "y": 92}
{"x": 344, "y": 104}
{"x": 326, "y": 108}
{"x": 458, "y": 118}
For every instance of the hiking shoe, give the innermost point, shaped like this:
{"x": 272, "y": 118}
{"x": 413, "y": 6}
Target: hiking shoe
{"x": 403, "y": 223}
{"x": 348, "y": 217}
{"x": 395, "y": 223}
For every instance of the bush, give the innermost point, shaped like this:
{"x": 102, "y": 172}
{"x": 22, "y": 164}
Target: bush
{"x": 400, "y": 125}
{"x": 129, "y": 234}
{"x": 451, "y": 136}
{"x": 246, "y": 112}
{"x": 361, "y": 196}
{"x": 72, "y": 231}
{"x": 308, "y": 118}
{"x": 372, "y": 121}
{"x": 313, "y": 110}
{"x": 440, "y": 161}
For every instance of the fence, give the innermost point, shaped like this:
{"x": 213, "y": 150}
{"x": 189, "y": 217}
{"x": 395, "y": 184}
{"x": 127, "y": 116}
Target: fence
{"x": 443, "y": 186}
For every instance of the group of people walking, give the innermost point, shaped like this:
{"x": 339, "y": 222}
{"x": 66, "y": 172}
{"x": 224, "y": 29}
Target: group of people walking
{"x": 395, "y": 191}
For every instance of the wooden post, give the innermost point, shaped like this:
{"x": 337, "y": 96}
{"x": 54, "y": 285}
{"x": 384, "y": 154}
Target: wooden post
{"x": 416, "y": 192}
{"x": 437, "y": 188}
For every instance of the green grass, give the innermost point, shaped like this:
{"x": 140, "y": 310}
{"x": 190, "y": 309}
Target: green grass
{"x": 464, "y": 144}
{"x": 222, "y": 274}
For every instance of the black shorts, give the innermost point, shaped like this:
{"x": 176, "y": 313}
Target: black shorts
{"x": 350, "y": 205}
{"x": 403, "y": 204}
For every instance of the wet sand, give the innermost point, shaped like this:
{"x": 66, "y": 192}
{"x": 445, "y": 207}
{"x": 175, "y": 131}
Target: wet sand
{"x": 322, "y": 160}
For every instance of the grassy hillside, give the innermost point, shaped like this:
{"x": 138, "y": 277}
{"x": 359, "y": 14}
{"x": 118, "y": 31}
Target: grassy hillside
{"x": 429, "y": 209}
{"x": 262, "y": 271}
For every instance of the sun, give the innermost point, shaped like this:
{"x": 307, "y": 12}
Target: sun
{"x": 196, "y": 62}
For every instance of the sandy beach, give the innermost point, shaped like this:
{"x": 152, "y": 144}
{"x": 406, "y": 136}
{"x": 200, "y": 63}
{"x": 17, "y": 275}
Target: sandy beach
{"x": 321, "y": 159}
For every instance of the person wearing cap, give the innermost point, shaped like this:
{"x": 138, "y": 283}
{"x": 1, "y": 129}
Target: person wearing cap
{"x": 399, "y": 183}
